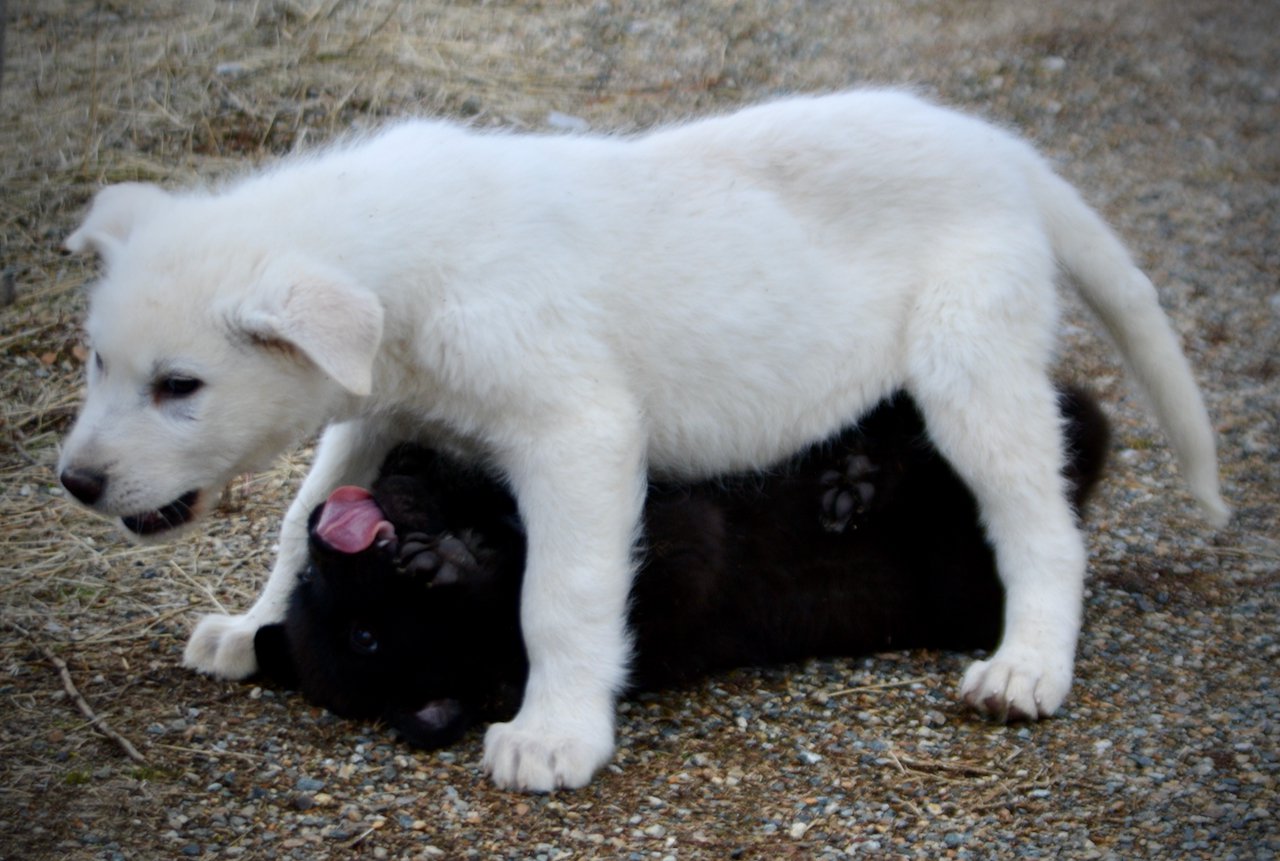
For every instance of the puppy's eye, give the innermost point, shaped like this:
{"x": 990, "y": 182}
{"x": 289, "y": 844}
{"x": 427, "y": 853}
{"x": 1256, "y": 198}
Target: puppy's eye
{"x": 97, "y": 361}
{"x": 363, "y": 641}
{"x": 175, "y": 388}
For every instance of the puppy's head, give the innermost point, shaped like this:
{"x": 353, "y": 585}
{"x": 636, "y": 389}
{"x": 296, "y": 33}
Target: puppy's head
{"x": 414, "y": 622}
{"x": 213, "y": 349}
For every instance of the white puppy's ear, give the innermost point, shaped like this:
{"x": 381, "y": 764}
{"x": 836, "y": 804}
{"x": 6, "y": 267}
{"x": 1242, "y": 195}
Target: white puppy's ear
{"x": 325, "y": 316}
{"x": 116, "y": 210}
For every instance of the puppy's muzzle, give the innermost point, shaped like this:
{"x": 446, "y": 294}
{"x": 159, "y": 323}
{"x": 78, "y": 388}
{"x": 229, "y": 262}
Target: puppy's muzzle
{"x": 88, "y": 486}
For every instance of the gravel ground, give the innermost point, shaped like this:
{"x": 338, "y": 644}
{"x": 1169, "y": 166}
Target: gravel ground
{"x": 1167, "y": 114}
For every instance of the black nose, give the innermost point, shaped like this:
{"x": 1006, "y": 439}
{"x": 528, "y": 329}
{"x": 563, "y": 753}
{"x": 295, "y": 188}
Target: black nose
{"x": 84, "y": 484}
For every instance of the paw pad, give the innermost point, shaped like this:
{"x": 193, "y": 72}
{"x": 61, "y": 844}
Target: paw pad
{"x": 848, "y": 492}
{"x": 439, "y": 559}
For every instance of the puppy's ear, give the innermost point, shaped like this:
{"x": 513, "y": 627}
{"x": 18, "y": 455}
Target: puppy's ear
{"x": 275, "y": 656}
{"x": 321, "y": 314}
{"x": 115, "y": 212}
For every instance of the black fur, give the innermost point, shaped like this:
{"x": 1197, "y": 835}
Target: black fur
{"x": 867, "y": 542}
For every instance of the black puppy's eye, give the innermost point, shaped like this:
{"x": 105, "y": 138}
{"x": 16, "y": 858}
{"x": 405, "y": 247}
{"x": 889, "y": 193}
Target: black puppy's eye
{"x": 363, "y": 641}
{"x": 177, "y": 387}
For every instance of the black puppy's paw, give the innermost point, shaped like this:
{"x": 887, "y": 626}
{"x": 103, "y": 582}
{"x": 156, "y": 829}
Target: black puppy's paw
{"x": 439, "y": 559}
{"x": 848, "y": 492}
{"x": 437, "y": 724}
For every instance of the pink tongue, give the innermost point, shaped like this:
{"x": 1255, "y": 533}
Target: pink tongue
{"x": 351, "y": 521}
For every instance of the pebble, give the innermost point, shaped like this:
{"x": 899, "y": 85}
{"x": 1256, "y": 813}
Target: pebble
{"x": 567, "y": 123}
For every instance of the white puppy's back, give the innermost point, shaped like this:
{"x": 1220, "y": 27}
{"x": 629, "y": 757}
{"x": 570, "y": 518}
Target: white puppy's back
{"x": 704, "y": 241}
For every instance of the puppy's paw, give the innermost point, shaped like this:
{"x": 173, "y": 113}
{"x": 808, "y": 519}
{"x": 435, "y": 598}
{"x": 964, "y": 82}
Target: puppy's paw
{"x": 1017, "y": 686}
{"x": 529, "y": 756}
{"x": 439, "y": 560}
{"x": 848, "y": 492}
{"x": 222, "y": 646}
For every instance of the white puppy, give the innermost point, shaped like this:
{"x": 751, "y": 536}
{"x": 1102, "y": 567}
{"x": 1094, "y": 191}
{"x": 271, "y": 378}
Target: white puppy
{"x": 578, "y": 310}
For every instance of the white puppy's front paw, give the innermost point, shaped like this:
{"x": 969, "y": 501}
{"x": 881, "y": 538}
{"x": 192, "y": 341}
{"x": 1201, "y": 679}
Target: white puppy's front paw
{"x": 529, "y": 756}
{"x": 1017, "y": 685}
{"x": 222, "y": 646}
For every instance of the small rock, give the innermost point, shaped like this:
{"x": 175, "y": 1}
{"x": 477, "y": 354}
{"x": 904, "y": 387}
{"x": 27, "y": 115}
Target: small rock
{"x": 1053, "y": 65}
{"x": 567, "y": 122}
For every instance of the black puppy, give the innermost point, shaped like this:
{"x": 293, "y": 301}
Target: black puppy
{"x": 409, "y": 610}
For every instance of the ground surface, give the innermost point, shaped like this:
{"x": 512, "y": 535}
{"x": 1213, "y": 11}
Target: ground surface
{"x": 1166, "y": 113}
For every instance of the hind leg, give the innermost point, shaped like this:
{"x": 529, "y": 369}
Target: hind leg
{"x": 1006, "y": 445}
{"x": 992, "y": 412}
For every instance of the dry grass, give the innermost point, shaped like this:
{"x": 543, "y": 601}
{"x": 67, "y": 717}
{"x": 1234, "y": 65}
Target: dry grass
{"x": 1165, "y": 116}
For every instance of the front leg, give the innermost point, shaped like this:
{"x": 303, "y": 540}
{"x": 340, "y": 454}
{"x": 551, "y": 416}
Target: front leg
{"x": 222, "y": 646}
{"x": 580, "y": 492}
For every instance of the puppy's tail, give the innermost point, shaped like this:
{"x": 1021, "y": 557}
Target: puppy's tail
{"x": 1125, "y": 300}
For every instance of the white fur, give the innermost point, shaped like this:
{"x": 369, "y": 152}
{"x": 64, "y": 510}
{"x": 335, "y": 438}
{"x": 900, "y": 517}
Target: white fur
{"x": 580, "y": 309}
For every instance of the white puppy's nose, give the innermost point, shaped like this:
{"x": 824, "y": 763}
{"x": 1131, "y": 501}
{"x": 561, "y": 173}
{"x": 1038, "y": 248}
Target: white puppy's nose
{"x": 85, "y": 485}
